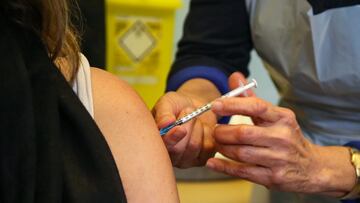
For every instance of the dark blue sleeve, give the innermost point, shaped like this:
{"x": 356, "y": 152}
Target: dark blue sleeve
{"x": 216, "y": 41}
{"x": 211, "y": 73}
{"x": 351, "y": 201}
{"x": 320, "y": 6}
{"x": 354, "y": 144}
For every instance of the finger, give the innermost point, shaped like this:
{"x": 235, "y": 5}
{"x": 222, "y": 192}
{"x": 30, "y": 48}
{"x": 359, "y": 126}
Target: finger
{"x": 176, "y": 152}
{"x": 248, "y": 106}
{"x": 195, "y": 144}
{"x": 237, "y": 79}
{"x": 208, "y": 149}
{"x": 256, "y": 174}
{"x": 174, "y": 136}
{"x": 167, "y": 108}
{"x": 163, "y": 114}
{"x": 243, "y": 135}
{"x": 172, "y": 142}
{"x": 251, "y": 155}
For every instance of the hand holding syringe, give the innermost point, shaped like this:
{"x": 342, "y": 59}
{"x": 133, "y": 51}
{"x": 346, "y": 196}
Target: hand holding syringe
{"x": 203, "y": 109}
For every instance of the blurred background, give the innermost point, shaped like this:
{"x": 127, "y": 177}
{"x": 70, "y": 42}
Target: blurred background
{"x": 136, "y": 40}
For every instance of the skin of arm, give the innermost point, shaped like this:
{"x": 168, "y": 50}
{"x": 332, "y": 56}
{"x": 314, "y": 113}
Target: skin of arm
{"x": 134, "y": 140}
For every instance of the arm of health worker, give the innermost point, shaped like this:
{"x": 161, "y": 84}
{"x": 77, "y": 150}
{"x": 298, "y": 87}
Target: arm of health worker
{"x": 212, "y": 48}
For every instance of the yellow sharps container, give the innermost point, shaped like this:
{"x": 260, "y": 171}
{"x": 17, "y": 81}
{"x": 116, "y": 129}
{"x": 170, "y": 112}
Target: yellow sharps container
{"x": 139, "y": 43}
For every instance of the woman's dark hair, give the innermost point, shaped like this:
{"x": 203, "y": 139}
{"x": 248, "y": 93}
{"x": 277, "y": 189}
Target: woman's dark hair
{"x": 51, "y": 21}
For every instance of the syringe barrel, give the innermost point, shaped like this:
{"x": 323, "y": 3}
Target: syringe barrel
{"x": 240, "y": 90}
{"x": 196, "y": 113}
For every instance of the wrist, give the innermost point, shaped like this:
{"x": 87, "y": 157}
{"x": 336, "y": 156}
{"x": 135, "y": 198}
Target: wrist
{"x": 201, "y": 91}
{"x": 355, "y": 160}
{"x": 336, "y": 175}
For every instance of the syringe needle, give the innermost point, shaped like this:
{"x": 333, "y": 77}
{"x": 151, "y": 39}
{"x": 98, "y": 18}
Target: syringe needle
{"x": 207, "y": 107}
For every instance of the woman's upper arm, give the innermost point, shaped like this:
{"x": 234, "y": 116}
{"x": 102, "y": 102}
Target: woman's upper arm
{"x": 134, "y": 140}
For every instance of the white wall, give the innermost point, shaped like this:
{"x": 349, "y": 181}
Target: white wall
{"x": 266, "y": 89}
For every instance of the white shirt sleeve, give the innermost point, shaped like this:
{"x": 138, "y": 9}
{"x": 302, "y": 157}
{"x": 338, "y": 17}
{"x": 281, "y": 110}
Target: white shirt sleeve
{"x": 82, "y": 85}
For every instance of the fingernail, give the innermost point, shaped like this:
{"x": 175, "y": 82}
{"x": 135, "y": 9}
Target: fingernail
{"x": 217, "y": 106}
{"x": 165, "y": 122}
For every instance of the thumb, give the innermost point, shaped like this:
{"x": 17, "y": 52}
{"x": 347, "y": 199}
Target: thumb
{"x": 236, "y": 79}
{"x": 163, "y": 114}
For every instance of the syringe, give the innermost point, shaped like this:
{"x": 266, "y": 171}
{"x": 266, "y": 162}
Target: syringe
{"x": 203, "y": 109}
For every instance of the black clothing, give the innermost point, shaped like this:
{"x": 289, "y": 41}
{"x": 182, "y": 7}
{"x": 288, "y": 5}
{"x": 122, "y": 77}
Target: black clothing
{"x": 216, "y": 34}
{"x": 51, "y": 148}
{"x": 93, "y": 31}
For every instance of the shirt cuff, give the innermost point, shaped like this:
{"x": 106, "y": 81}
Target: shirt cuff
{"x": 212, "y": 74}
{"x": 350, "y": 201}
{"x": 354, "y": 144}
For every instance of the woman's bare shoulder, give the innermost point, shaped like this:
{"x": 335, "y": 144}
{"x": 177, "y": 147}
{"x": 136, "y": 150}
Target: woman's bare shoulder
{"x": 108, "y": 83}
{"x": 116, "y": 99}
{"x": 134, "y": 139}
